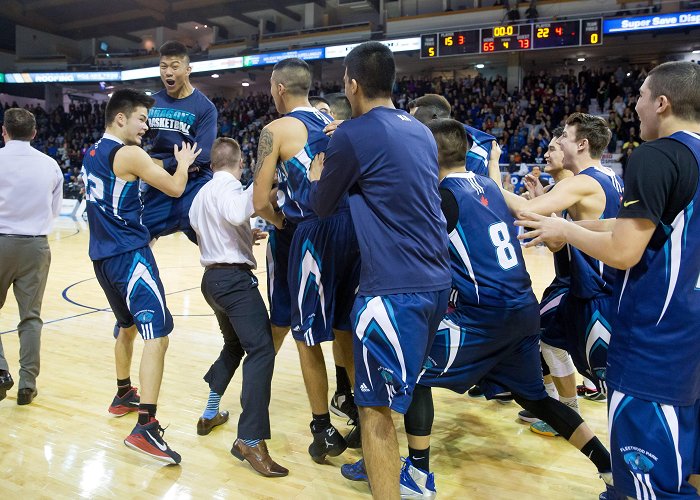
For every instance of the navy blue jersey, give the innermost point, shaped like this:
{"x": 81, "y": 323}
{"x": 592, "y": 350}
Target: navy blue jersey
{"x": 658, "y": 311}
{"x": 590, "y": 277}
{"x": 190, "y": 119}
{"x": 114, "y": 205}
{"x": 478, "y": 155}
{"x": 485, "y": 256}
{"x": 293, "y": 174}
{"x": 387, "y": 161}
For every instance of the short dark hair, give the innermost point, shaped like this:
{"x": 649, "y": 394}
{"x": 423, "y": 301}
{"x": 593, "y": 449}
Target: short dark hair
{"x": 431, "y": 106}
{"x": 371, "y": 65}
{"x": 224, "y": 151}
{"x": 315, "y": 99}
{"x": 125, "y": 101}
{"x": 294, "y": 74}
{"x": 20, "y": 124}
{"x": 452, "y": 141}
{"x": 592, "y": 128}
{"x": 557, "y": 132}
{"x": 340, "y": 106}
{"x": 174, "y": 48}
{"x": 679, "y": 81}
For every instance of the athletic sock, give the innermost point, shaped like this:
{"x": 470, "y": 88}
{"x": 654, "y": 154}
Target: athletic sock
{"x": 146, "y": 412}
{"x": 596, "y": 453}
{"x": 571, "y": 403}
{"x": 551, "y": 390}
{"x": 320, "y": 422}
{"x": 250, "y": 442}
{"x": 212, "y": 405}
{"x": 342, "y": 380}
{"x": 420, "y": 458}
{"x": 123, "y": 386}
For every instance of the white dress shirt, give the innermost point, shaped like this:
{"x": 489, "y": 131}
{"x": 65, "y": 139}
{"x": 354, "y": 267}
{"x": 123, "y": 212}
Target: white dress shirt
{"x": 31, "y": 190}
{"x": 220, "y": 215}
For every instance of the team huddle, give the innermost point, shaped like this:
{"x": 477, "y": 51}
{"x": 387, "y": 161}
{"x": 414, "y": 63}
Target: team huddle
{"x": 394, "y": 239}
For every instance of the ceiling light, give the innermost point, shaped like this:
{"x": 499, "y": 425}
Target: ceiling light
{"x": 479, "y": 66}
{"x": 206, "y": 26}
{"x": 245, "y": 84}
{"x": 581, "y": 59}
{"x": 215, "y": 75}
{"x": 696, "y": 51}
{"x": 148, "y": 92}
{"x": 196, "y": 27}
{"x": 629, "y": 74}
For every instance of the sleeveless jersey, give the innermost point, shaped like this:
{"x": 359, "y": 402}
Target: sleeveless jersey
{"x": 293, "y": 174}
{"x": 114, "y": 205}
{"x": 485, "y": 256}
{"x": 591, "y": 278}
{"x": 477, "y": 160}
{"x": 654, "y": 350}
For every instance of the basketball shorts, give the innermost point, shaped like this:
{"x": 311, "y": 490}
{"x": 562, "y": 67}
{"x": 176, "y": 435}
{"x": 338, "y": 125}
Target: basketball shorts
{"x": 164, "y": 215}
{"x": 392, "y": 338}
{"x": 497, "y": 349}
{"x": 654, "y": 447}
{"x": 135, "y": 293}
{"x": 323, "y": 276}
{"x": 277, "y": 260}
{"x": 552, "y": 315}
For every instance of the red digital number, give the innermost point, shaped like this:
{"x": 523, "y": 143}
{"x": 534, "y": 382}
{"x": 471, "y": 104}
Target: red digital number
{"x": 488, "y": 47}
{"x": 559, "y": 31}
{"x": 460, "y": 40}
{"x": 524, "y": 43}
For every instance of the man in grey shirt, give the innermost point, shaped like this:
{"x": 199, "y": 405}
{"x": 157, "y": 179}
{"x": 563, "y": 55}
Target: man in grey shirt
{"x": 31, "y": 192}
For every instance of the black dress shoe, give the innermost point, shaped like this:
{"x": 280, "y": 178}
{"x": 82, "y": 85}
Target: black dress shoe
{"x": 26, "y": 396}
{"x": 6, "y": 383}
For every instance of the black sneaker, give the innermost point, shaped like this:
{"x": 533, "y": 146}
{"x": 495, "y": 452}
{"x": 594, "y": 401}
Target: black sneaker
{"x": 343, "y": 405}
{"x": 354, "y": 437}
{"x": 475, "y": 392}
{"x": 6, "y": 383}
{"x": 503, "y": 397}
{"x": 327, "y": 442}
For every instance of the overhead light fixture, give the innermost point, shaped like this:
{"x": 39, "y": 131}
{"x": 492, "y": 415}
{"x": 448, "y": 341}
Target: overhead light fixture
{"x": 245, "y": 84}
{"x": 215, "y": 75}
{"x": 629, "y": 74}
{"x": 696, "y": 51}
{"x": 148, "y": 92}
{"x": 206, "y": 26}
{"x": 581, "y": 59}
{"x": 479, "y": 66}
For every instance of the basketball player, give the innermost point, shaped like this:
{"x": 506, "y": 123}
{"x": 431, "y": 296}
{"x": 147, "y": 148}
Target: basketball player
{"x": 323, "y": 255}
{"x": 591, "y": 193}
{"x": 340, "y": 106}
{"x": 653, "y": 375}
{"x": 404, "y": 285}
{"x": 490, "y": 334}
{"x": 432, "y": 106}
{"x": 123, "y": 262}
{"x": 320, "y": 104}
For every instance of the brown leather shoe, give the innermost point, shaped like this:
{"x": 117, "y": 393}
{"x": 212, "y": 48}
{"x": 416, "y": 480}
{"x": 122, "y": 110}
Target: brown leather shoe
{"x": 259, "y": 458}
{"x": 205, "y": 425}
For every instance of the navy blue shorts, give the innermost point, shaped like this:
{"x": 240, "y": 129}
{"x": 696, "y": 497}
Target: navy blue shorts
{"x": 164, "y": 215}
{"x": 588, "y": 341}
{"x": 323, "y": 276}
{"x": 497, "y": 349}
{"x": 654, "y": 447}
{"x": 277, "y": 260}
{"x": 135, "y": 293}
{"x": 553, "y": 315}
{"x": 392, "y": 338}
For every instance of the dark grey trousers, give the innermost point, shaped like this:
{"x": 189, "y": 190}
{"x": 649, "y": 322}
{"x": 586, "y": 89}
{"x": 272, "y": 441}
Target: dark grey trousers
{"x": 233, "y": 294}
{"x": 24, "y": 264}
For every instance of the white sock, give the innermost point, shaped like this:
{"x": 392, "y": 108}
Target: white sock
{"x": 551, "y": 390}
{"x": 571, "y": 403}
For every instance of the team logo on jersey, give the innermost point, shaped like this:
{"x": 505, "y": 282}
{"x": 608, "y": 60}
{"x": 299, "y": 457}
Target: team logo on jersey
{"x": 638, "y": 462}
{"x": 484, "y": 201}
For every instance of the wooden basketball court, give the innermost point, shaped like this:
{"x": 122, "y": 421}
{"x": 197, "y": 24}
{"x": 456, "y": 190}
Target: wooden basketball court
{"x": 66, "y": 445}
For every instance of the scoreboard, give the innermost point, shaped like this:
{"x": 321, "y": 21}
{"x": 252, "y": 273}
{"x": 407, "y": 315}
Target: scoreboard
{"x": 580, "y": 32}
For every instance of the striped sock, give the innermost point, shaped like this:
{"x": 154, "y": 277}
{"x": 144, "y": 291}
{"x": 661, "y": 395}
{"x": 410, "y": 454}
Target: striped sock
{"x": 250, "y": 442}
{"x": 212, "y": 405}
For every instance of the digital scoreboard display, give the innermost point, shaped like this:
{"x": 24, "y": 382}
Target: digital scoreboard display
{"x": 513, "y": 38}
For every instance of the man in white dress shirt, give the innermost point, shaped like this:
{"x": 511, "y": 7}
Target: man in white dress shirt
{"x": 31, "y": 192}
{"x": 220, "y": 215}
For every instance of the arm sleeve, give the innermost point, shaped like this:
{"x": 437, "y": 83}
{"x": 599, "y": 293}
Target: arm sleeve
{"x": 341, "y": 170}
{"x": 206, "y": 133}
{"x": 238, "y": 208}
{"x": 450, "y": 209}
{"x": 649, "y": 182}
{"x": 57, "y": 195}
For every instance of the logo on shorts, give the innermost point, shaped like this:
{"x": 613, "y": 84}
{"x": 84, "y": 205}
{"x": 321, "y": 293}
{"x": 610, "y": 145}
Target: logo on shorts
{"x": 429, "y": 363}
{"x": 364, "y": 387}
{"x": 638, "y": 462}
{"x": 145, "y": 316}
{"x": 387, "y": 375}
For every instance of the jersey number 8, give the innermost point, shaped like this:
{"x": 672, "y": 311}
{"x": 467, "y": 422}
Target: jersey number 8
{"x": 500, "y": 237}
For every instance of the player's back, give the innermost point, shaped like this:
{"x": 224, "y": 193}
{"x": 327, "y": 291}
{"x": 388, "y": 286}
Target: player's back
{"x": 395, "y": 202}
{"x": 485, "y": 255}
{"x": 114, "y": 205}
{"x": 658, "y": 306}
{"x": 591, "y": 278}
{"x": 293, "y": 174}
